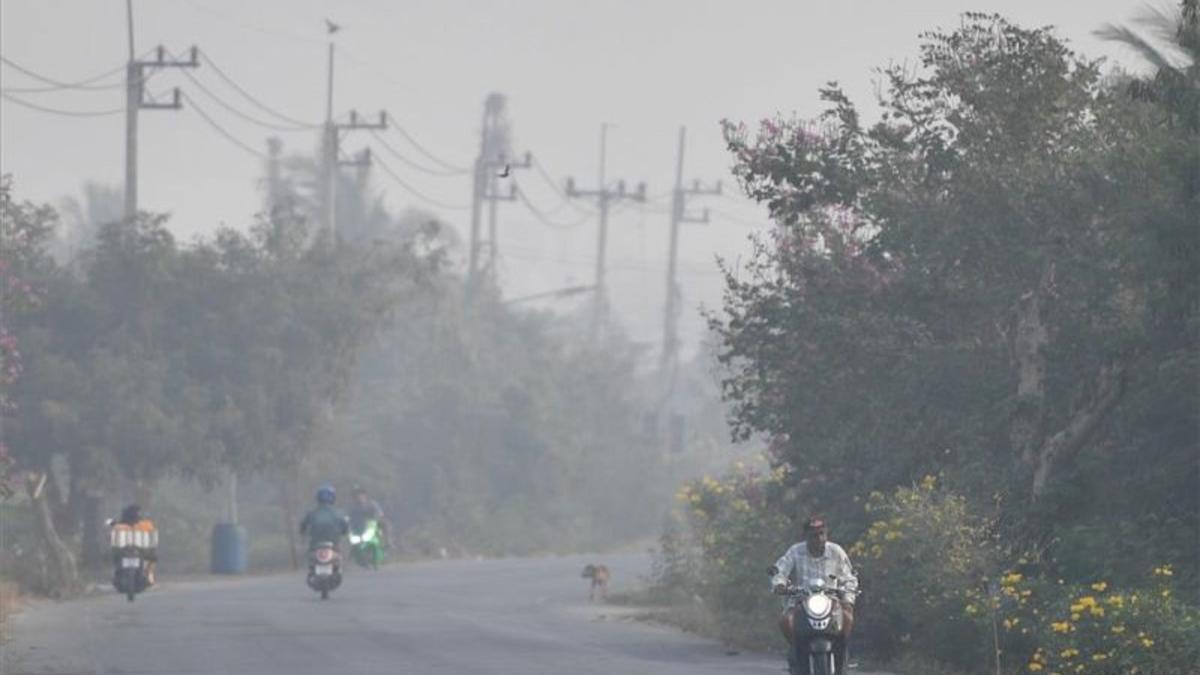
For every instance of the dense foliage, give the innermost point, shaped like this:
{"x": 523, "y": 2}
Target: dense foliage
{"x": 998, "y": 283}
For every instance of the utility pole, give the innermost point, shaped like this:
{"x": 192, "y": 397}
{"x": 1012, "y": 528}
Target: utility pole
{"x": 493, "y": 163}
{"x": 333, "y": 159}
{"x": 329, "y": 149}
{"x": 135, "y": 100}
{"x": 605, "y": 197}
{"x": 673, "y": 306}
{"x": 501, "y": 168}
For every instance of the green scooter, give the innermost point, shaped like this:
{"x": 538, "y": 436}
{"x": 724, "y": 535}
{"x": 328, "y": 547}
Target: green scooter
{"x": 366, "y": 546}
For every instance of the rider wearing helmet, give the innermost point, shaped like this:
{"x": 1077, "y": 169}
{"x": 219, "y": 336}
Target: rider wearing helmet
{"x": 324, "y": 523}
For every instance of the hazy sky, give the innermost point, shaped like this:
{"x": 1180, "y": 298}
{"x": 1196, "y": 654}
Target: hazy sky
{"x": 646, "y": 67}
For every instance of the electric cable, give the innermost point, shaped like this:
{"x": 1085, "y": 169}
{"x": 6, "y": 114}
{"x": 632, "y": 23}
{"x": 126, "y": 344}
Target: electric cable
{"x": 221, "y": 130}
{"x": 395, "y": 153}
{"x": 57, "y": 84}
{"x": 262, "y": 106}
{"x": 416, "y": 193}
{"x": 545, "y": 220}
{"x": 60, "y": 111}
{"x": 253, "y": 120}
{"x": 420, "y": 148}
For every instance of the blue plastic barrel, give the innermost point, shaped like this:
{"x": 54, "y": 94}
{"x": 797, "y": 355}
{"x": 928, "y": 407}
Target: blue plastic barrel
{"x": 229, "y": 548}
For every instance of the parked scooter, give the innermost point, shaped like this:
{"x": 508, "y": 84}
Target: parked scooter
{"x": 324, "y": 569}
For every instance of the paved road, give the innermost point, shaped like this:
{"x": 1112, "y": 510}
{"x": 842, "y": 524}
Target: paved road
{"x": 518, "y": 616}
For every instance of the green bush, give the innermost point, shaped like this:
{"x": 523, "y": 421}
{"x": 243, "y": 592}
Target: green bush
{"x": 922, "y": 556}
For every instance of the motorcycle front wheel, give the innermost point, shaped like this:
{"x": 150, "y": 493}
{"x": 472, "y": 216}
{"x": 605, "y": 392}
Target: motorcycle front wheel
{"x": 822, "y": 664}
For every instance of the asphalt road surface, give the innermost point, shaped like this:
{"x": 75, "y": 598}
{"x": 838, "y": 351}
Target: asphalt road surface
{"x": 514, "y": 616}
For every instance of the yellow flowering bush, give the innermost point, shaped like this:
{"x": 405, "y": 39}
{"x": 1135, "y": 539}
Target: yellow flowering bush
{"x": 1098, "y": 628}
{"x": 921, "y": 560}
{"x": 733, "y": 534}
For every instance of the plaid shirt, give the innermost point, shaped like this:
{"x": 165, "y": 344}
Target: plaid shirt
{"x": 798, "y": 566}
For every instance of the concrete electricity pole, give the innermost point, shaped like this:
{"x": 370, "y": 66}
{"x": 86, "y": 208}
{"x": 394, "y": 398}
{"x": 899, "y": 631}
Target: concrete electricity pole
{"x": 493, "y": 163}
{"x": 362, "y": 160}
{"x": 679, "y": 215}
{"x": 605, "y": 197}
{"x": 136, "y": 72}
{"x": 331, "y": 145}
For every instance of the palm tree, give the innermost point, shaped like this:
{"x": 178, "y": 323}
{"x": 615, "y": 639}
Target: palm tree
{"x": 1174, "y": 51}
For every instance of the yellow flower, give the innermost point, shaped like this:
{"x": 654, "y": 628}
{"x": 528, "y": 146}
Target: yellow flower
{"x": 972, "y": 610}
{"x": 1096, "y": 611}
{"x": 928, "y": 482}
{"x": 1118, "y": 629}
{"x": 1060, "y": 626}
{"x": 1116, "y": 601}
{"x": 1069, "y": 653}
{"x": 1011, "y": 579}
{"x": 1166, "y": 593}
{"x": 1099, "y": 657}
{"x": 1100, "y": 586}
{"x": 1035, "y": 667}
{"x": 1147, "y": 643}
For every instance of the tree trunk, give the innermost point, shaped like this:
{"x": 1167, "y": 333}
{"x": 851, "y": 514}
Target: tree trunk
{"x": 64, "y": 575}
{"x": 1106, "y": 393}
{"x": 95, "y": 545}
{"x": 287, "y": 502}
{"x": 1027, "y": 354}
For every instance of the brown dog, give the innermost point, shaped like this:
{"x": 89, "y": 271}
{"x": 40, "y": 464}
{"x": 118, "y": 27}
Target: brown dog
{"x": 599, "y": 576}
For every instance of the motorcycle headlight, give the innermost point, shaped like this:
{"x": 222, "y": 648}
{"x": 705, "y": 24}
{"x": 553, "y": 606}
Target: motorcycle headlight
{"x": 818, "y": 605}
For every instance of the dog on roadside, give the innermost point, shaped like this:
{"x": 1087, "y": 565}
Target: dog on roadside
{"x": 599, "y": 576}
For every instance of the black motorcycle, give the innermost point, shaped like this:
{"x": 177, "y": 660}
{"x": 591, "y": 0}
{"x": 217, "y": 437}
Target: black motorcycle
{"x": 324, "y": 569}
{"x": 130, "y": 547}
{"x": 817, "y": 630}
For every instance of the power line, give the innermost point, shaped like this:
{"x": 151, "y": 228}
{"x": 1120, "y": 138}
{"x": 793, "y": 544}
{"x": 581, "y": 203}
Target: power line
{"x": 739, "y": 220}
{"x": 559, "y": 191}
{"x": 262, "y": 106}
{"x": 59, "y": 111}
{"x": 57, "y": 84}
{"x": 395, "y": 153}
{"x": 450, "y": 167}
{"x": 546, "y": 220}
{"x": 417, "y": 193}
{"x": 221, "y": 130}
{"x": 221, "y": 102}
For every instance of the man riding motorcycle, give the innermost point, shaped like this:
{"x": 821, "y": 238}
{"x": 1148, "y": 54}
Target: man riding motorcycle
{"x": 324, "y": 523}
{"x": 816, "y": 558}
